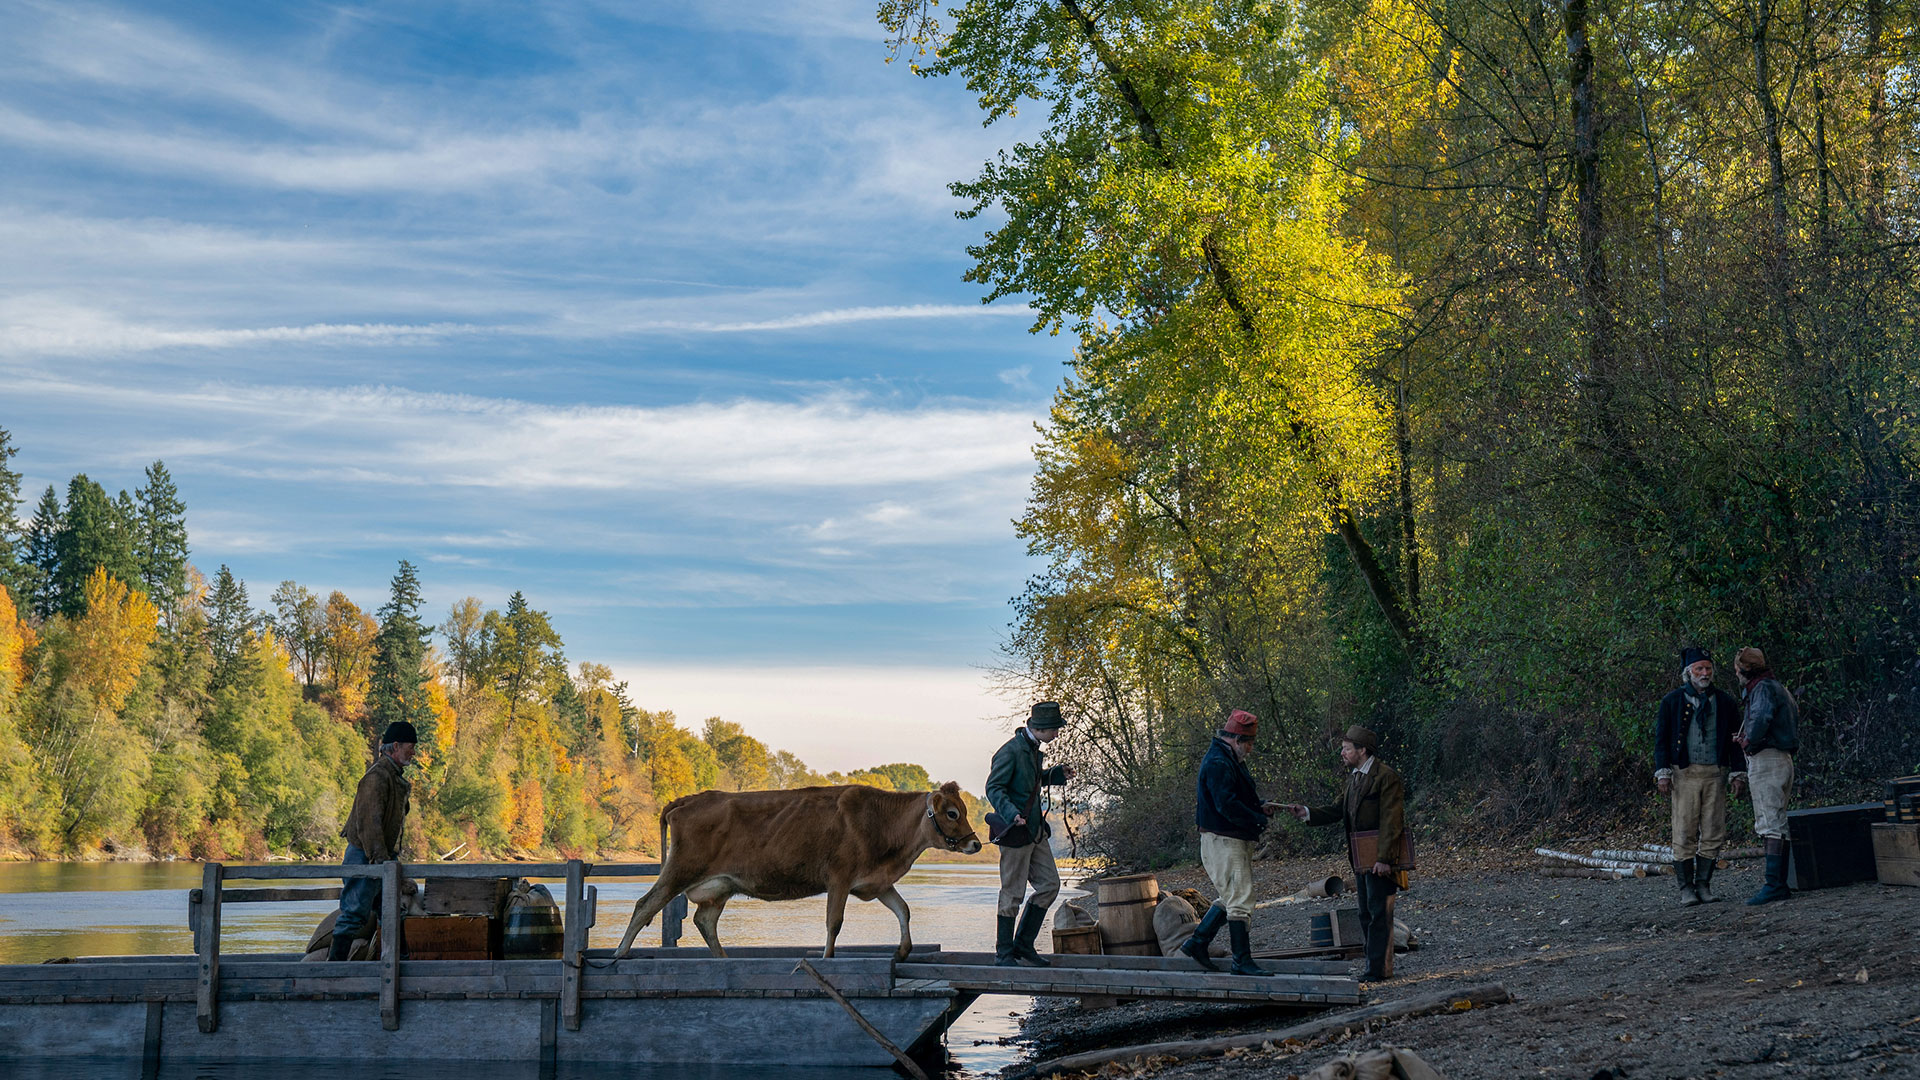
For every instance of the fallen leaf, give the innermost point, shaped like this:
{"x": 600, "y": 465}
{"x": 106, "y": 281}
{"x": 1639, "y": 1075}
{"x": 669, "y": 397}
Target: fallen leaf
{"x": 1860, "y": 976}
{"x": 1461, "y": 1006}
{"x": 1796, "y": 982}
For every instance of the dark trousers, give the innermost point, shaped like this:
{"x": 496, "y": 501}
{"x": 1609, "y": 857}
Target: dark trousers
{"x": 358, "y": 898}
{"x": 1376, "y": 922}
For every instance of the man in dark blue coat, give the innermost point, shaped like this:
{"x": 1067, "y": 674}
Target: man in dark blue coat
{"x": 1231, "y": 816}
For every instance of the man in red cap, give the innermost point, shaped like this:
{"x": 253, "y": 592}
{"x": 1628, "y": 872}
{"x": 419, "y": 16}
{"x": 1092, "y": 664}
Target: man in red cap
{"x": 1231, "y": 815}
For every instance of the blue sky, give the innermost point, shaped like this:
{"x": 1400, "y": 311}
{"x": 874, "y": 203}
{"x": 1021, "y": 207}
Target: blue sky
{"x": 653, "y": 311}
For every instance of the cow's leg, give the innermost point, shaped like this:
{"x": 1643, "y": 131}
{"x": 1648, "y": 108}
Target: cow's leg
{"x": 836, "y": 914}
{"x": 898, "y": 905}
{"x": 706, "y": 917}
{"x": 667, "y": 886}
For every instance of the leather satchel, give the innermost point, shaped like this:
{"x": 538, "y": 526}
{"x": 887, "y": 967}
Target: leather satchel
{"x": 1363, "y": 850}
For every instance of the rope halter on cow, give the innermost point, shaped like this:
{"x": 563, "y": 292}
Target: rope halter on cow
{"x": 953, "y": 842}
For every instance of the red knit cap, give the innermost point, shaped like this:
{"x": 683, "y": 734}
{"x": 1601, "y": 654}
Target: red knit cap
{"x": 1242, "y": 722}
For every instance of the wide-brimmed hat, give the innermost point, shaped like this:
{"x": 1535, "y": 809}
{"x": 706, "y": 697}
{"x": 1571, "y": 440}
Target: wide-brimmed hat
{"x": 1361, "y": 737}
{"x": 1046, "y": 714}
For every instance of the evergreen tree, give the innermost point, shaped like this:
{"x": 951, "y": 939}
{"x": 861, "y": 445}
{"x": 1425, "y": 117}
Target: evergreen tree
{"x": 42, "y": 553}
{"x": 11, "y": 536}
{"x": 98, "y": 533}
{"x": 525, "y": 653}
{"x": 230, "y": 633}
{"x": 160, "y": 542}
{"x": 396, "y": 686}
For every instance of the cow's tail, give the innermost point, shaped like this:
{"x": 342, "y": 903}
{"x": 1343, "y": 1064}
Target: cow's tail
{"x": 641, "y": 916}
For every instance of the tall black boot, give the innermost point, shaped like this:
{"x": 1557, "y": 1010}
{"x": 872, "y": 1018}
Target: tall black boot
{"x": 1025, "y": 934}
{"x": 342, "y": 945}
{"x": 1003, "y": 942}
{"x": 1683, "y": 873}
{"x": 1703, "y": 879}
{"x": 1243, "y": 963}
{"x": 1776, "y": 886}
{"x": 1197, "y": 947}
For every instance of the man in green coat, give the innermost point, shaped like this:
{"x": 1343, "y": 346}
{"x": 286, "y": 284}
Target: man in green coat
{"x": 1026, "y": 853}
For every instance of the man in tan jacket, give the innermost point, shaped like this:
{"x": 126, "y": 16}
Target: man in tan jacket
{"x": 1374, "y": 814}
{"x": 373, "y": 832}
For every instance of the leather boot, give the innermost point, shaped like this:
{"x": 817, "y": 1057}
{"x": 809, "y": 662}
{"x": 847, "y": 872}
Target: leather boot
{"x": 1243, "y": 963}
{"x": 1003, "y": 942}
{"x": 1776, "y": 886}
{"x": 340, "y": 948}
{"x": 1025, "y": 934}
{"x": 1683, "y": 873}
{"x": 1703, "y": 879}
{"x": 1197, "y": 947}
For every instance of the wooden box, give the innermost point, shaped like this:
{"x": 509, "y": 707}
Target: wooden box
{"x": 1831, "y": 845}
{"x": 1084, "y": 940}
{"x": 1334, "y": 929}
{"x": 1903, "y": 800}
{"x": 1896, "y": 853}
{"x": 465, "y": 896}
{"x": 446, "y": 937}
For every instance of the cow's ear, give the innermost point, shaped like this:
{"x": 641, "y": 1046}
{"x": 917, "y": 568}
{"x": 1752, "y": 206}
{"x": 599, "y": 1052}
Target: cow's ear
{"x": 951, "y": 788}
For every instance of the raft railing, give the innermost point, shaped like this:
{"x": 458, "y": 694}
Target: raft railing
{"x": 204, "y": 906}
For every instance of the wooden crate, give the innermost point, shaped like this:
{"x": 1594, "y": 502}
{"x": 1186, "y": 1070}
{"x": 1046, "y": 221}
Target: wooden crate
{"x": 1896, "y": 853}
{"x": 1084, "y": 940}
{"x": 1831, "y": 845}
{"x": 1903, "y": 800}
{"x": 465, "y": 896}
{"x": 446, "y": 937}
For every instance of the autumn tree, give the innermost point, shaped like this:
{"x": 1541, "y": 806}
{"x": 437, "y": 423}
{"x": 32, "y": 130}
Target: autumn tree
{"x": 300, "y": 622}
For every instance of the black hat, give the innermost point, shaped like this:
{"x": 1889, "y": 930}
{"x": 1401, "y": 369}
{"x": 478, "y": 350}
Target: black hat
{"x": 1692, "y": 655}
{"x": 398, "y": 732}
{"x": 1046, "y": 714}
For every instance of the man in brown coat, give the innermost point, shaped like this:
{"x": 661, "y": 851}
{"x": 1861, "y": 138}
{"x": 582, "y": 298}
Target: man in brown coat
{"x": 1374, "y": 814}
{"x": 373, "y": 832}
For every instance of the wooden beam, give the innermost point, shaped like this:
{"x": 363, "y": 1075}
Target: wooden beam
{"x": 1471, "y": 997}
{"x": 389, "y": 946}
{"x": 573, "y": 943}
{"x": 207, "y": 999}
{"x": 1178, "y": 964}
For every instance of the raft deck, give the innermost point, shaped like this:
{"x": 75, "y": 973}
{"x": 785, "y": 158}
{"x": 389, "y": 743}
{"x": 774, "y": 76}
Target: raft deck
{"x": 664, "y": 1005}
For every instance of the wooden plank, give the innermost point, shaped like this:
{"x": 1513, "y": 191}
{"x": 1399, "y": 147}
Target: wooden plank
{"x": 625, "y": 870}
{"x": 671, "y": 920}
{"x": 304, "y": 871}
{"x": 390, "y": 947}
{"x": 280, "y": 894}
{"x": 1078, "y": 961}
{"x": 207, "y": 1002}
{"x": 795, "y": 952}
{"x": 573, "y": 941}
{"x": 1091, "y": 978}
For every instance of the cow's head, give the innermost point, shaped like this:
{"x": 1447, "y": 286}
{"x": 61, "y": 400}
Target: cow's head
{"x": 948, "y": 812}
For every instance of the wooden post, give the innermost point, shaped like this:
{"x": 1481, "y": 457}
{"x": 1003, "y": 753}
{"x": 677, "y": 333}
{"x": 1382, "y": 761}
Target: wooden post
{"x": 390, "y": 945}
{"x": 193, "y": 916}
{"x": 573, "y": 944}
{"x": 207, "y": 999}
{"x": 670, "y": 921}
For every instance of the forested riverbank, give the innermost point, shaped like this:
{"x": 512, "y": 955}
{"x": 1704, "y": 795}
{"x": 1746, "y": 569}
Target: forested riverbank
{"x": 1447, "y": 369}
{"x": 148, "y": 712}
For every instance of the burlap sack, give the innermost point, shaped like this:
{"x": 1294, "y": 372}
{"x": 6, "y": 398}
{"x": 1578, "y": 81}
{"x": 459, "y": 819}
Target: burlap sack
{"x": 1068, "y": 917}
{"x": 1173, "y": 923}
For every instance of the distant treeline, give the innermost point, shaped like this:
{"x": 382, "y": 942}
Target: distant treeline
{"x": 1447, "y": 368}
{"x": 142, "y": 708}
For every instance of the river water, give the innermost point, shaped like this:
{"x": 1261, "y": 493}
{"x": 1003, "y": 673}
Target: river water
{"x": 113, "y": 909}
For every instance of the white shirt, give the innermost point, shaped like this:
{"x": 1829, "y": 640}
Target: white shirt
{"x": 1365, "y": 766}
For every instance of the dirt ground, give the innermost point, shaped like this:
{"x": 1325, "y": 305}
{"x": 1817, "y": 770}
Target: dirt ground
{"x": 1607, "y": 975}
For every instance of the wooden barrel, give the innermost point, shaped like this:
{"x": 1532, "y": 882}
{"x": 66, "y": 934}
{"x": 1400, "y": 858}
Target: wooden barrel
{"x": 1126, "y": 914}
{"x": 1084, "y": 940}
{"x": 532, "y": 932}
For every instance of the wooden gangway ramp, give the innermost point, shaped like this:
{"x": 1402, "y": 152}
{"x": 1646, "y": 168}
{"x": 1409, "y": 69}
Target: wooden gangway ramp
{"x": 1297, "y": 982}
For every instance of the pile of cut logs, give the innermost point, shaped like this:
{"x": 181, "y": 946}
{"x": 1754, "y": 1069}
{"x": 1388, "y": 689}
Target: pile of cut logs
{"x": 1611, "y": 864}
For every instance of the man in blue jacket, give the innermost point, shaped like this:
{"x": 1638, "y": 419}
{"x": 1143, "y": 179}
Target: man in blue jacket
{"x": 1769, "y": 734}
{"x": 1694, "y": 757}
{"x": 1231, "y": 816}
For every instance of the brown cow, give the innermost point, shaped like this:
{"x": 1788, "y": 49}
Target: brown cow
{"x": 789, "y": 845}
